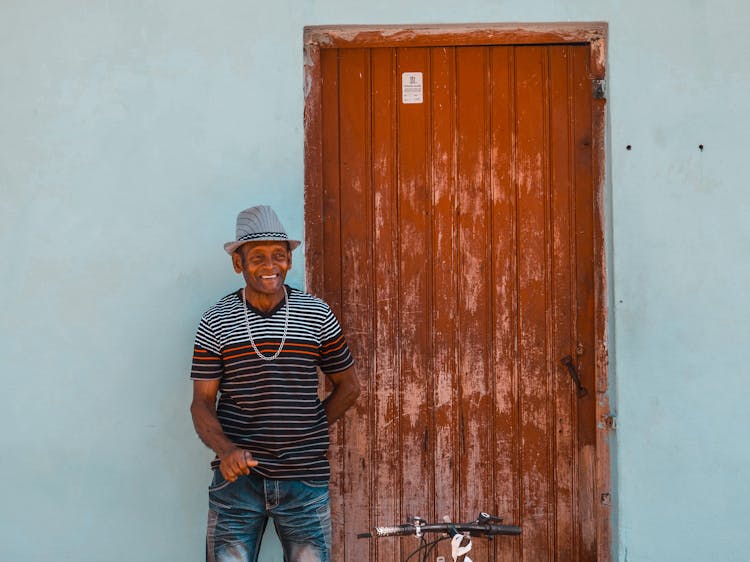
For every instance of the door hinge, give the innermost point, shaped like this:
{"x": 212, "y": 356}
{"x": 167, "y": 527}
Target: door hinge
{"x": 608, "y": 422}
{"x": 599, "y": 89}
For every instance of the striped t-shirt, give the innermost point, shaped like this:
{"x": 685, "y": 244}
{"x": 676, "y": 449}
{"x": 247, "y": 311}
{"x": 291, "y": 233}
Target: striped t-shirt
{"x": 271, "y": 408}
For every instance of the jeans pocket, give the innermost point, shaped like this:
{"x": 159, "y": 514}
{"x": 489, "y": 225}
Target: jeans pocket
{"x": 218, "y": 482}
{"x": 217, "y": 502}
{"x": 320, "y": 496}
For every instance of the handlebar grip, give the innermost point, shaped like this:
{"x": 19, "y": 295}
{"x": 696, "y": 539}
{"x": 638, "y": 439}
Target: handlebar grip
{"x": 503, "y": 530}
{"x": 393, "y": 531}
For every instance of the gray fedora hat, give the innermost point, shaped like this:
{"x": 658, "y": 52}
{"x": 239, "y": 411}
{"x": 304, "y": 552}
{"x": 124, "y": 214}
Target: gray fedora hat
{"x": 258, "y": 224}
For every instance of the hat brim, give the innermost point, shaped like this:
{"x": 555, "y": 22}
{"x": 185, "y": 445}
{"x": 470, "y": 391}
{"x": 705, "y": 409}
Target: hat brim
{"x": 230, "y": 247}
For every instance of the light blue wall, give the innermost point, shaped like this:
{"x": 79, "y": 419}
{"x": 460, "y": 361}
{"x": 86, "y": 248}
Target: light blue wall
{"x": 132, "y": 131}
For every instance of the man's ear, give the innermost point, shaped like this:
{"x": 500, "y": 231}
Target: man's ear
{"x": 237, "y": 261}
{"x": 290, "y": 259}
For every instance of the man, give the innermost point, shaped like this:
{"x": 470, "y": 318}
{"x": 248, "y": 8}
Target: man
{"x": 259, "y": 349}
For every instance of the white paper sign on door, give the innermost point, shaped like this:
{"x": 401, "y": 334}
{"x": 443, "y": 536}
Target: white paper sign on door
{"x": 411, "y": 87}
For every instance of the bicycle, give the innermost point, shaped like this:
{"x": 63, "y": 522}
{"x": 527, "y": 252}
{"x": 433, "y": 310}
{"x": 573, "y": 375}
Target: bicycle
{"x": 484, "y": 525}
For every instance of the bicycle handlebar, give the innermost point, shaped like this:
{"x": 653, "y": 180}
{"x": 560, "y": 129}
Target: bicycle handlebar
{"x": 486, "y": 529}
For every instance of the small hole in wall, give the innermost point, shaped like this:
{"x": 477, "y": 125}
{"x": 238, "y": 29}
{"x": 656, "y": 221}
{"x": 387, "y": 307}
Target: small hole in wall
{"x": 628, "y": 147}
{"x": 701, "y": 147}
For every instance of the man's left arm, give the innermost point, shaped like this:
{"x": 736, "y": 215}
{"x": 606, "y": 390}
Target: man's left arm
{"x": 344, "y": 395}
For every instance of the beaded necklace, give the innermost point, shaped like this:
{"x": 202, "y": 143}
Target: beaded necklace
{"x": 250, "y": 333}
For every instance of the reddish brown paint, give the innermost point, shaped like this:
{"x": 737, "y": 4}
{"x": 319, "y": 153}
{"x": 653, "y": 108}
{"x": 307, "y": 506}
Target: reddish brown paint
{"x": 385, "y": 436}
{"x": 470, "y": 219}
{"x": 328, "y": 236}
{"x": 562, "y": 177}
{"x": 505, "y": 302}
{"x": 444, "y": 328}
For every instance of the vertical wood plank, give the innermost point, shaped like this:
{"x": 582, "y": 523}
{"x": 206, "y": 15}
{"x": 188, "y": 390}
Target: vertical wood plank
{"x": 444, "y": 335}
{"x": 562, "y": 288}
{"x": 505, "y": 305}
{"x": 532, "y": 313}
{"x": 331, "y": 182}
{"x": 584, "y": 241}
{"x": 413, "y": 277}
{"x": 356, "y": 282}
{"x": 331, "y": 263}
{"x": 314, "y": 247}
{"x": 385, "y": 431}
{"x": 474, "y": 310}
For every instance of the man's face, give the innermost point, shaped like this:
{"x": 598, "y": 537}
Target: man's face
{"x": 263, "y": 265}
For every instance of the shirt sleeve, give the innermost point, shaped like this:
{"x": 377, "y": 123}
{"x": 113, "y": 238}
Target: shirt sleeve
{"x": 334, "y": 351}
{"x": 207, "y": 361}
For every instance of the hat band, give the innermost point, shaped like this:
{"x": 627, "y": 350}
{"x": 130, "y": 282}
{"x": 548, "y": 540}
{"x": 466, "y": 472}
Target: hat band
{"x": 263, "y": 236}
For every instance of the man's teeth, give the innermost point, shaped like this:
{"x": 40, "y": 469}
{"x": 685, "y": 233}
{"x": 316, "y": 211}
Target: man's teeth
{"x": 268, "y": 276}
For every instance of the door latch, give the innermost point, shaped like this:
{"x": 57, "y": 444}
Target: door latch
{"x": 580, "y": 389}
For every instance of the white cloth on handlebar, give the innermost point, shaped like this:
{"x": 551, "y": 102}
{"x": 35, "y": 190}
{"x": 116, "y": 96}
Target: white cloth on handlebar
{"x": 458, "y": 550}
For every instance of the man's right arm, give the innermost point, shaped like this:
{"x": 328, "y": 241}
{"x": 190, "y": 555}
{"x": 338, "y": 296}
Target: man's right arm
{"x": 234, "y": 461}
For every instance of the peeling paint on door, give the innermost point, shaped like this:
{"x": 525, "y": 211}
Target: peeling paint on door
{"x": 458, "y": 240}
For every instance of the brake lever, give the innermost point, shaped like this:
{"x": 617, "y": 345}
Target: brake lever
{"x": 487, "y": 518}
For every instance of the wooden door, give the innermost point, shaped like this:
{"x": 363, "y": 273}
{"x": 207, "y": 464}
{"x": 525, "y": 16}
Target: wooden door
{"x": 458, "y": 239}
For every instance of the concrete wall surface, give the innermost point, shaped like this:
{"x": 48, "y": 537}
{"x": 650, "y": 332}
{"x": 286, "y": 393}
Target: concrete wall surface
{"x": 131, "y": 132}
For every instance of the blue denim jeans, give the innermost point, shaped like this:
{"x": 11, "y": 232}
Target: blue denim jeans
{"x": 238, "y": 512}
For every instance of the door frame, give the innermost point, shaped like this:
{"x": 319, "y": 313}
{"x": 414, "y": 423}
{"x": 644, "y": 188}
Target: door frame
{"x": 595, "y": 35}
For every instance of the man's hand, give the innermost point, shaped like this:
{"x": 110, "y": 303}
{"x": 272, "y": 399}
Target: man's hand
{"x": 344, "y": 395}
{"x": 236, "y": 462}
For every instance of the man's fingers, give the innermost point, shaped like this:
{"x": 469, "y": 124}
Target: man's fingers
{"x": 249, "y": 460}
{"x": 231, "y": 471}
{"x": 231, "y": 474}
{"x": 239, "y": 462}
